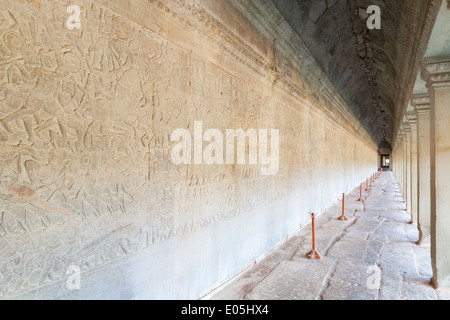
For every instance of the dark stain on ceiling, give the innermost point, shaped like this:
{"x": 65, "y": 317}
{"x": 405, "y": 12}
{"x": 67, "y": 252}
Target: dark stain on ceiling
{"x": 374, "y": 70}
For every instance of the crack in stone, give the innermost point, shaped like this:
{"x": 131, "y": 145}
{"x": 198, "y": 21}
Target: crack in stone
{"x": 250, "y": 288}
{"x": 296, "y": 251}
{"x": 329, "y": 275}
{"x": 339, "y": 237}
{"x": 394, "y": 274}
{"x": 327, "y": 280}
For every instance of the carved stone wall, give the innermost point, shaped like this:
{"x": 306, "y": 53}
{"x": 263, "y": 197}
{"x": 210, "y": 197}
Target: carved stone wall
{"x": 86, "y": 118}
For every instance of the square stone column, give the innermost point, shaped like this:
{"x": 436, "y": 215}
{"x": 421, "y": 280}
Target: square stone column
{"x": 421, "y": 103}
{"x": 436, "y": 73}
{"x": 404, "y": 165}
{"x": 403, "y": 172}
{"x": 408, "y": 168}
{"x": 400, "y": 160}
{"x": 395, "y": 159}
{"x": 412, "y": 121}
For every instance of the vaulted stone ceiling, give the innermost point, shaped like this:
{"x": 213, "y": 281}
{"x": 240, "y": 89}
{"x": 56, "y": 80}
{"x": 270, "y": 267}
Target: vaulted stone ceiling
{"x": 374, "y": 70}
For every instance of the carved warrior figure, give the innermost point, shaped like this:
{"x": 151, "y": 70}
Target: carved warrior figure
{"x": 12, "y": 192}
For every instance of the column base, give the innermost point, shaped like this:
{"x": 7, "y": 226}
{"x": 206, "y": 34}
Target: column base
{"x": 441, "y": 284}
{"x": 424, "y": 237}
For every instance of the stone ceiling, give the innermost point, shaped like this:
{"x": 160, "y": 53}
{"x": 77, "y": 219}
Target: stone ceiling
{"x": 374, "y": 70}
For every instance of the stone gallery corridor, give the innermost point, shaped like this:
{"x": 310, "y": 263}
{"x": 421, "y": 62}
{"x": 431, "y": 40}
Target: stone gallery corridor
{"x": 377, "y": 238}
{"x": 225, "y": 149}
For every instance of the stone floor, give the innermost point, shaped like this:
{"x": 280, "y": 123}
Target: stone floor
{"x": 373, "y": 255}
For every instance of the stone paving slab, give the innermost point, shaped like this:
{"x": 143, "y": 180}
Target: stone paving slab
{"x": 373, "y": 255}
{"x": 297, "y": 279}
{"x": 349, "y": 282}
{"x": 238, "y": 288}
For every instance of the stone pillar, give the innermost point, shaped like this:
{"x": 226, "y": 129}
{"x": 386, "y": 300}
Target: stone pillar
{"x": 436, "y": 73}
{"x": 398, "y": 160}
{"x": 400, "y": 157}
{"x": 408, "y": 169}
{"x": 421, "y": 103}
{"x": 412, "y": 121}
{"x": 400, "y": 164}
{"x": 394, "y": 160}
{"x": 403, "y": 164}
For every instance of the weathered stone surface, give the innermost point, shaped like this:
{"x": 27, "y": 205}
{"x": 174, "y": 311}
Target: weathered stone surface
{"x": 381, "y": 64}
{"x": 86, "y": 118}
{"x": 298, "y": 279}
{"x": 350, "y": 263}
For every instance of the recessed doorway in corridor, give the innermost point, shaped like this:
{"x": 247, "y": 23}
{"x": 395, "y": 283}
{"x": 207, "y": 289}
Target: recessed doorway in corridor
{"x": 385, "y": 162}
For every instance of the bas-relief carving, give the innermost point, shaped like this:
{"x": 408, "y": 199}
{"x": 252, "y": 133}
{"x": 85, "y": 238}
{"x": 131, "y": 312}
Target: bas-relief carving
{"x": 85, "y": 124}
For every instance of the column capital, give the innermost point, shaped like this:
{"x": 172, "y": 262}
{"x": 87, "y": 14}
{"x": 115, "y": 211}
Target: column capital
{"x": 421, "y": 102}
{"x": 406, "y": 127}
{"x": 411, "y": 116}
{"x": 436, "y": 71}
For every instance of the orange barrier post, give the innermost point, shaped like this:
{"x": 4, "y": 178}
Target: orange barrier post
{"x": 360, "y": 193}
{"x": 343, "y": 217}
{"x": 313, "y": 254}
{"x": 367, "y": 185}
